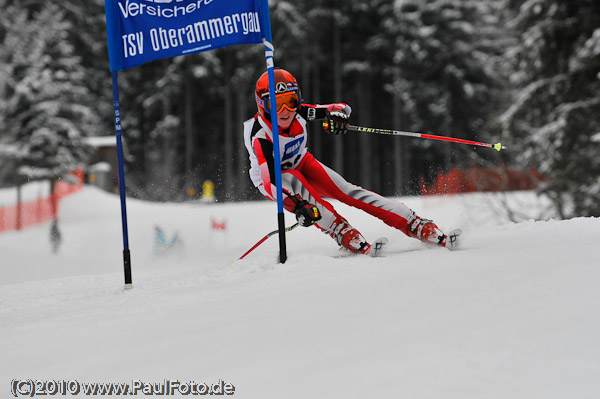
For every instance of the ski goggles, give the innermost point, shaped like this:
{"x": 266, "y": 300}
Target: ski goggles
{"x": 289, "y": 100}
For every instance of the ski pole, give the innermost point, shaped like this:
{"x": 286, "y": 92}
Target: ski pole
{"x": 496, "y": 146}
{"x": 265, "y": 239}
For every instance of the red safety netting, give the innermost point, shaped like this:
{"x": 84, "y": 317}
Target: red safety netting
{"x": 38, "y": 211}
{"x": 482, "y": 179}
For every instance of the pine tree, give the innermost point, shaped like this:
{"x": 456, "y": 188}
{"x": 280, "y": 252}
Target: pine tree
{"x": 46, "y": 104}
{"x": 556, "y": 112}
{"x": 440, "y": 76}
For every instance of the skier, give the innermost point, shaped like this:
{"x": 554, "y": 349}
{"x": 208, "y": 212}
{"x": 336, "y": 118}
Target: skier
{"x": 55, "y": 236}
{"x": 305, "y": 180}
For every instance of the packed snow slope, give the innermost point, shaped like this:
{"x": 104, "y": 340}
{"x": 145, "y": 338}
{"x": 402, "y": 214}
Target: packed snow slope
{"x": 514, "y": 314}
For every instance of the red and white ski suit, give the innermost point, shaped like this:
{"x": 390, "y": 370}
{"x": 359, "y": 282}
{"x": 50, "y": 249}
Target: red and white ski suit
{"x": 303, "y": 175}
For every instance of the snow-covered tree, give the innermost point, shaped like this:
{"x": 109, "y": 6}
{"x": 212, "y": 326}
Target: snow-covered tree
{"x": 45, "y": 105}
{"x": 438, "y": 61}
{"x": 554, "y": 121}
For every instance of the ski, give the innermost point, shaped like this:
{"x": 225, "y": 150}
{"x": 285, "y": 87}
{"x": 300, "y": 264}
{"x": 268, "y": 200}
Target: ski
{"x": 376, "y": 250}
{"x": 453, "y": 239}
{"x": 377, "y": 247}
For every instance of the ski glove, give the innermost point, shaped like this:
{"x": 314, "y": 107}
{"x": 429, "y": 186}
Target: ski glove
{"x": 336, "y": 120}
{"x": 306, "y": 214}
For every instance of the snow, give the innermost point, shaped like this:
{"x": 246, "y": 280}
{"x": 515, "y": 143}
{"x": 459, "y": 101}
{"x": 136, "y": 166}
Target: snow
{"x": 514, "y": 314}
{"x": 101, "y": 141}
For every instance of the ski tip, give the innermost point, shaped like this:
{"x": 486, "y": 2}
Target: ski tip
{"x": 377, "y": 246}
{"x": 382, "y": 240}
{"x": 453, "y": 239}
{"x": 499, "y": 147}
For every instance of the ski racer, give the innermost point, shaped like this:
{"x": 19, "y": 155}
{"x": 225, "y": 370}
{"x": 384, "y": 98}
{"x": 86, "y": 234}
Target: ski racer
{"x": 306, "y": 181}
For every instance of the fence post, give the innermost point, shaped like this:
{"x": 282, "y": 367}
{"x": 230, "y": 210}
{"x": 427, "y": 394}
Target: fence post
{"x": 53, "y": 199}
{"x": 19, "y": 208}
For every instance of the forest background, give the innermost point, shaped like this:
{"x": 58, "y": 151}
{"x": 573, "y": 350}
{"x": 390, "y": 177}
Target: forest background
{"x": 522, "y": 72}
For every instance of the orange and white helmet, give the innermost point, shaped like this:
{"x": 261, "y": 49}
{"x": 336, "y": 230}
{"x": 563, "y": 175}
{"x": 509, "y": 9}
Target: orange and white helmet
{"x": 287, "y": 92}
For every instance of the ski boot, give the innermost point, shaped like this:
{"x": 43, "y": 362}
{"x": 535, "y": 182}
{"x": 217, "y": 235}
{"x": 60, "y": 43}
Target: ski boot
{"x": 427, "y": 231}
{"x": 349, "y": 238}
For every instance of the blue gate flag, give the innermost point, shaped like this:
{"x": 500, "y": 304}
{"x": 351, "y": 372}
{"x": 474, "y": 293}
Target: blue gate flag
{"x": 141, "y": 31}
